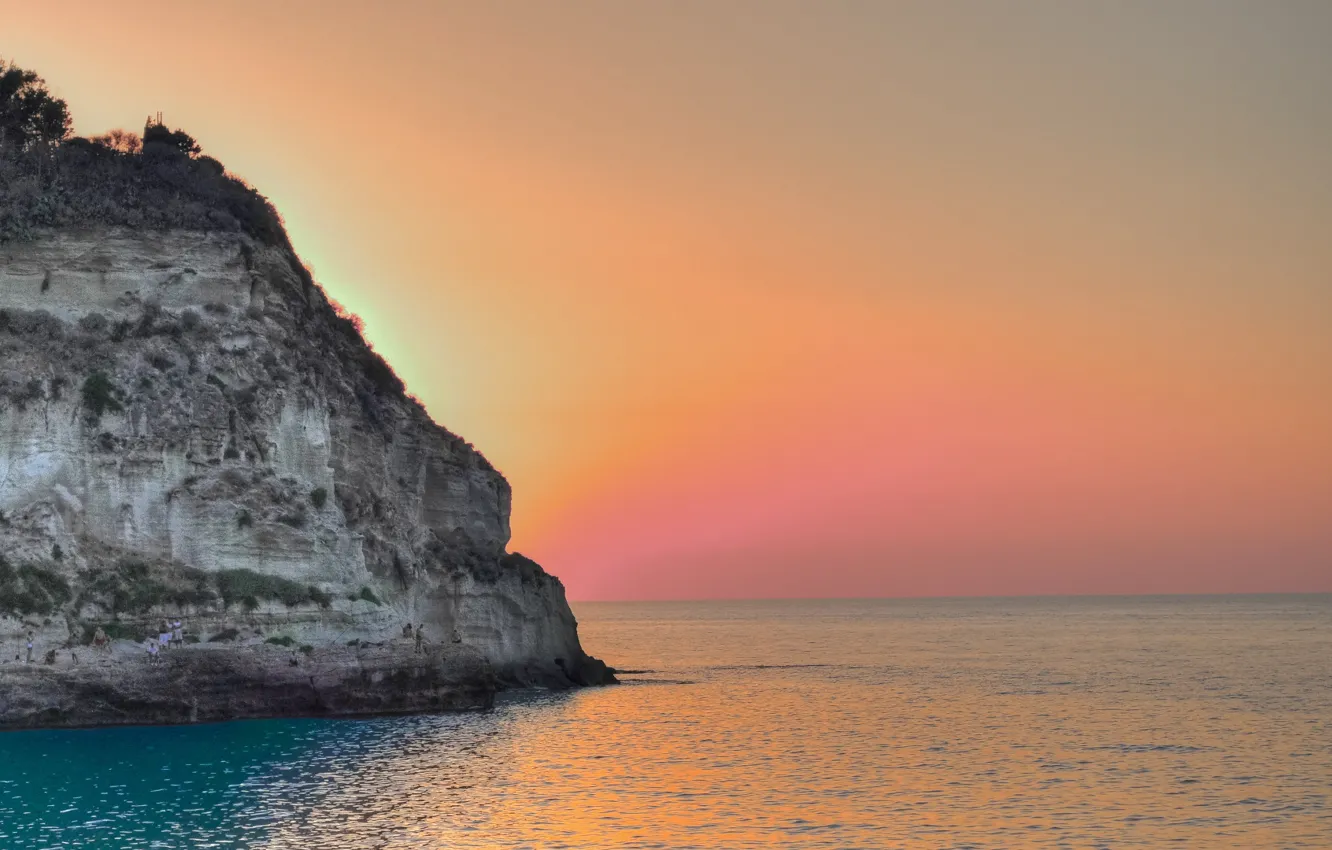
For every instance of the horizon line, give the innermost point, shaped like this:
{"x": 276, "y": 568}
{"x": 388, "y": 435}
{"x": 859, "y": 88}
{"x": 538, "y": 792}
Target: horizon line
{"x": 1190, "y": 594}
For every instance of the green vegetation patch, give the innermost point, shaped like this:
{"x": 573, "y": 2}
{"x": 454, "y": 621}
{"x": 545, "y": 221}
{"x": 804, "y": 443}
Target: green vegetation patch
{"x": 31, "y": 589}
{"x": 100, "y": 395}
{"x": 368, "y": 595}
{"x": 134, "y": 587}
{"x": 284, "y": 640}
{"x": 247, "y": 587}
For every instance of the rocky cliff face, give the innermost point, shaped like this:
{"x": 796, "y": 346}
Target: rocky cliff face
{"x": 188, "y": 429}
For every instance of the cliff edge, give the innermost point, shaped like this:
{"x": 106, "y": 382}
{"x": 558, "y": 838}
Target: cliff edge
{"x": 189, "y": 430}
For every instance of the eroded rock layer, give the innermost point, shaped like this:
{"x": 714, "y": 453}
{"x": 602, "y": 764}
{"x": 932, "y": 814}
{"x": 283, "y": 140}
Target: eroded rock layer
{"x": 189, "y": 430}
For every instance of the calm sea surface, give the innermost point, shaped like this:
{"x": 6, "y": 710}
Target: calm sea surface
{"x": 1080, "y": 723}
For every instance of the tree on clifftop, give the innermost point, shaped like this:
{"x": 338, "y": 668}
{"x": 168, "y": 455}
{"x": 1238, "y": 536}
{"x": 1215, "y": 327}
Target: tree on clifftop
{"x": 121, "y": 141}
{"x": 30, "y": 116}
{"x": 156, "y": 133}
{"x": 50, "y": 179}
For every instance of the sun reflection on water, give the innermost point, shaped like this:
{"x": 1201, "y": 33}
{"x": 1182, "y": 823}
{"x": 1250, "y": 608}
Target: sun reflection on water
{"x": 1039, "y": 723}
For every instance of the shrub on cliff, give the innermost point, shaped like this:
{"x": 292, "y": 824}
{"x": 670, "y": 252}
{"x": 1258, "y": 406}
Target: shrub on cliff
{"x": 31, "y": 589}
{"x": 34, "y": 324}
{"x": 50, "y": 180}
{"x": 20, "y": 393}
{"x": 132, "y": 586}
{"x": 177, "y": 141}
{"x": 119, "y": 140}
{"x": 368, "y": 595}
{"x": 247, "y": 587}
{"x": 527, "y": 569}
{"x": 381, "y": 374}
{"x": 101, "y": 395}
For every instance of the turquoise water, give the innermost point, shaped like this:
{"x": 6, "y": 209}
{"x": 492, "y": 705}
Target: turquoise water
{"x": 1087, "y": 723}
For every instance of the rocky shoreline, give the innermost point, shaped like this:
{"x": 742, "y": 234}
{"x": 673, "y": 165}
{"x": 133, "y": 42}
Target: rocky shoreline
{"x": 190, "y": 430}
{"x": 120, "y": 685}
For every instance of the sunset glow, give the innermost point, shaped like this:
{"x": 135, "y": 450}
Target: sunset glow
{"x": 782, "y": 321}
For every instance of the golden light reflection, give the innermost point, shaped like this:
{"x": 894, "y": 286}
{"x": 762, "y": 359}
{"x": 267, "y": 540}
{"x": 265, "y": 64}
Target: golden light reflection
{"x": 863, "y": 723}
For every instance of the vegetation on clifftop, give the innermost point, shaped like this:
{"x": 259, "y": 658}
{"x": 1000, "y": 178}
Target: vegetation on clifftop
{"x": 160, "y": 180}
{"x": 48, "y": 178}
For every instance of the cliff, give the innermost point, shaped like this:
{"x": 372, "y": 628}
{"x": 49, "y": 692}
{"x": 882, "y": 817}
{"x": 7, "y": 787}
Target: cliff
{"x": 188, "y": 429}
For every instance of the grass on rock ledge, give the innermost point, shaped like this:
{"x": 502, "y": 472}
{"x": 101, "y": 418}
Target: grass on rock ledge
{"x": 247, "y": 587}
{"x": 31, "y": 589}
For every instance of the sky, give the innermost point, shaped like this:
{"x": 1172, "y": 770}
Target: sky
{"x": 788, "y": 299}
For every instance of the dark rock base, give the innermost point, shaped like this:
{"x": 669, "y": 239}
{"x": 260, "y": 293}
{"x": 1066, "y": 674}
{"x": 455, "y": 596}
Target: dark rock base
{"x": 199, "y": 684}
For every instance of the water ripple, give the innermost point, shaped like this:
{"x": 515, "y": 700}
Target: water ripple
{"x": 1029, "y": 724}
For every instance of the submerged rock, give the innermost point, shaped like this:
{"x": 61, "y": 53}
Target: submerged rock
{"x": 189, "y": 429}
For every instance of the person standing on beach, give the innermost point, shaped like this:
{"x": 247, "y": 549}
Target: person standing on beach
{"x": 177, "y": 633}
{"x": 29, "y": 661}
{"x": 420, "y": 638}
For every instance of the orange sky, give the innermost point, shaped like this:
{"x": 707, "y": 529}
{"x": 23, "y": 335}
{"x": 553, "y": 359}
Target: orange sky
{"x": 795, "y": 299}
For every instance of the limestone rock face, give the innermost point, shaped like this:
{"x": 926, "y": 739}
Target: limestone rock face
{"x": 189, "y": 430}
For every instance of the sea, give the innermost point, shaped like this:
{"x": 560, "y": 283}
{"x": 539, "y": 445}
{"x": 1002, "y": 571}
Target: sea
{"x": 1090, "y": 722}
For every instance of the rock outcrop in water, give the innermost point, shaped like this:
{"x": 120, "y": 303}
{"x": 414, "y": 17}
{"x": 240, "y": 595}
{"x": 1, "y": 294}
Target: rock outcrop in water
{"x": 189, "y": 429}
